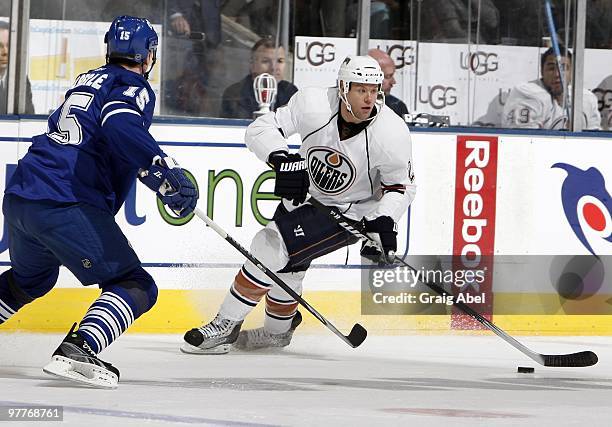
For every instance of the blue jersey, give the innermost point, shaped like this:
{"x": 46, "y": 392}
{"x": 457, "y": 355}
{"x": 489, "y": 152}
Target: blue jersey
{"x": 96, "y": 142}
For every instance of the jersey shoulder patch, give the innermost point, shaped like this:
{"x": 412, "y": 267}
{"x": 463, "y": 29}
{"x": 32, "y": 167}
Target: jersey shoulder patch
{"x": 130, "y": 93}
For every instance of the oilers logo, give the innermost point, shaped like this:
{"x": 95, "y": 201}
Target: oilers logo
{"x": 587, "y": 205}
{"x": 330, "y": 171}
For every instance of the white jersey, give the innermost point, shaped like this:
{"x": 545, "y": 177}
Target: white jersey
{"x": 368, "y": 175}
{"x": 530, "y": 105}
{"x": 604, "y": 97}
{"x": 493, "y": 116}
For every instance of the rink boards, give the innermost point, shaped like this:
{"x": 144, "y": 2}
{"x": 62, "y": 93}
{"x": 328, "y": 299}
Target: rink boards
{"x": 494, "y": 193}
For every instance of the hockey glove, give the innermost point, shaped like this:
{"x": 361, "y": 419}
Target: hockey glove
{"x": 384, "y": 232}
{"x": 292, "y": 180}
{"x": 171, "y": 185}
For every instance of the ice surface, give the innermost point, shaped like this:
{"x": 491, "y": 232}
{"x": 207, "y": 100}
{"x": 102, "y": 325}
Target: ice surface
{"x": 318, "y": 380}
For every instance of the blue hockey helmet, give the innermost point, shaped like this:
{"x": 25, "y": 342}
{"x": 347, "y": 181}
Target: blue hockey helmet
{"x": 131, "y": 39}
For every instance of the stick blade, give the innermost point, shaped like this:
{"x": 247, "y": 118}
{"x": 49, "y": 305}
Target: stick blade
{"x": 578, "y": 360}
{"x": 357, "y": 335}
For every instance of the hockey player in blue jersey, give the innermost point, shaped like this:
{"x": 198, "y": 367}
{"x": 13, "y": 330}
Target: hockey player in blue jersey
{"x": 60, "y": 203}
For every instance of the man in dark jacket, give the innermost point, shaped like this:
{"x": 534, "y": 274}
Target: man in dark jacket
{"x": 239, "y": 99}
{"x": 4, "y": 56}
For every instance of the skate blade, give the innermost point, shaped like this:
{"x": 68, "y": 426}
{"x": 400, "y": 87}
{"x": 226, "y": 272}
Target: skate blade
{"x": 246, "y": 343}
{"x": 254, "y": 347}
{"x": 219, "y": 349}
{"x": 80, "y": 372}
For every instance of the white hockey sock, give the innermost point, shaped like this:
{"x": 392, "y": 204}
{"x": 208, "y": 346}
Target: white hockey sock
{"x": 245, "y": 293}
{"x": 277, "y": 326}
{"x": 279, "y": 314}
{"x": 280, "y": 306}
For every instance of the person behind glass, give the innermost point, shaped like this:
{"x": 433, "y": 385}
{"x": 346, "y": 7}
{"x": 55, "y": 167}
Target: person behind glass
{"x": 261, "y": 16}
{"x": 388, "y": 68}
{"x": 603, "y": 92}
{"x": 538, "y": 104}
{"x": 193, "y": 19}
{"x": 4, "y": 57}
{"x": 452, "y": 20}
{"x": 239, "y": 99}
{"x": 381, "y": 14}
{"x": 192, "y": 58}
{"x": 203, "y": 16}
{"x": 60, "y": 203}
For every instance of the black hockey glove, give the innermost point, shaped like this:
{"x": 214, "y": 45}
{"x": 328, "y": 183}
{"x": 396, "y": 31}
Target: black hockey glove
{"x": 292, "y": 180}
{"x": 384, "y": 232}
{"x": 171, "y": 185}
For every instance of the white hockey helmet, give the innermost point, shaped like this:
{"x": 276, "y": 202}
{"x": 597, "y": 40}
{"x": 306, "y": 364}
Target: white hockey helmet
{"x": 360, "y": 69}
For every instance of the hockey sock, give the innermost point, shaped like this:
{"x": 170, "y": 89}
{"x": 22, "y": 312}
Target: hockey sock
{"x": 8, "y": 303}
{"x": 246, "y": 291}
{"x": 279, "y": 314}
{"x": 280, "y": 306}
{"x": 5, "y": 310}
{"x": 107, "y": 318}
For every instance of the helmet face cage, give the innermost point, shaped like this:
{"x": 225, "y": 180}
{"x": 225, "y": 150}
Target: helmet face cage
{"x": 360, "y": 69}
{"x": 132, "y": 39}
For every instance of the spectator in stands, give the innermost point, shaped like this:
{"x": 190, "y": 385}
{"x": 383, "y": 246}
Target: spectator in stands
{"x": 192, "y": 57}
{"x": 603, "y": 91}
{"x": 239, "y": 99}
{"x": 322, "y": 18}
{"x": 539, "y": 104}
{"x": 599, "y": 24}
{"x": 203, "y": 16}
{"x": 4, "y": 57}
{"x": 381, "y": 13}
{"x": 152, "y": 9}
{"x": 260, "y": 17}
{"x": 388, "y": 68}
{"x": 453, "y": 20}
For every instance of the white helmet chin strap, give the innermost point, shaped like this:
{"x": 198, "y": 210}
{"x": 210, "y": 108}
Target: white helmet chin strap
{"x": 343, "y": 91}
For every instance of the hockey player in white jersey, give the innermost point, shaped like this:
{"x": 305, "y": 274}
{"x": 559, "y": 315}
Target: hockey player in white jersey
{"x": 356, "y": 155}
{"x": 603, "y": 92}
{"x": 539, "y": 104}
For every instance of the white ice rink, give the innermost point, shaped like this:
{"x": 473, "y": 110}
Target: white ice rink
{"x": 318, "y": 380}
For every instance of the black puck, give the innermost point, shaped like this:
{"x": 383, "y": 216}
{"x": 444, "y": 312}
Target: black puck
{"x": 525, "y": 370}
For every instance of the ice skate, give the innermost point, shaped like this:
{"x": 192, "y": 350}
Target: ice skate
{"x": 215, "y": 337}
{"x": 254, "y": 339}
{"x": 75, "y": 361}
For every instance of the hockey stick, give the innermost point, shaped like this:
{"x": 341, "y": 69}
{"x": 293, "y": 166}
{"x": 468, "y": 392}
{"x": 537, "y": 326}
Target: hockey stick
{"x": 580, "y": 359}
{"x": 354, "y": 338}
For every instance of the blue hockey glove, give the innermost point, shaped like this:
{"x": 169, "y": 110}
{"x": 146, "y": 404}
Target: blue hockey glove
{"x": 383, "y": 231}
{"x": 171, "y": 185}
{"x": 292, "y": 180}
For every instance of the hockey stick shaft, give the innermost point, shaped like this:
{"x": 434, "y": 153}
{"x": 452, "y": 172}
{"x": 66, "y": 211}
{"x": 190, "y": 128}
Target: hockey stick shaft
{"x": 577, "y": 359}
{"x": 358, "y": 332}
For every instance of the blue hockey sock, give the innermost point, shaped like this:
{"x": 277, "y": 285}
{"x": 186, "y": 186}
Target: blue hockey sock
{"x": 8, "y": 303}
{"x": 107, "y": 318}
{"x": 5, "y": 311}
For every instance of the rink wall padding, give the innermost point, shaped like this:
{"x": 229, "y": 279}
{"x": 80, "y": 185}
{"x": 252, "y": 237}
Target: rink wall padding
{"x": 177, "y": 311}
{"x": 193, "y": 267}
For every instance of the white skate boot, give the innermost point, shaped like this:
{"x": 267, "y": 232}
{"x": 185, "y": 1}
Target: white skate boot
{"x": 215, "y": 337}
{"x": 254, "y": 339}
